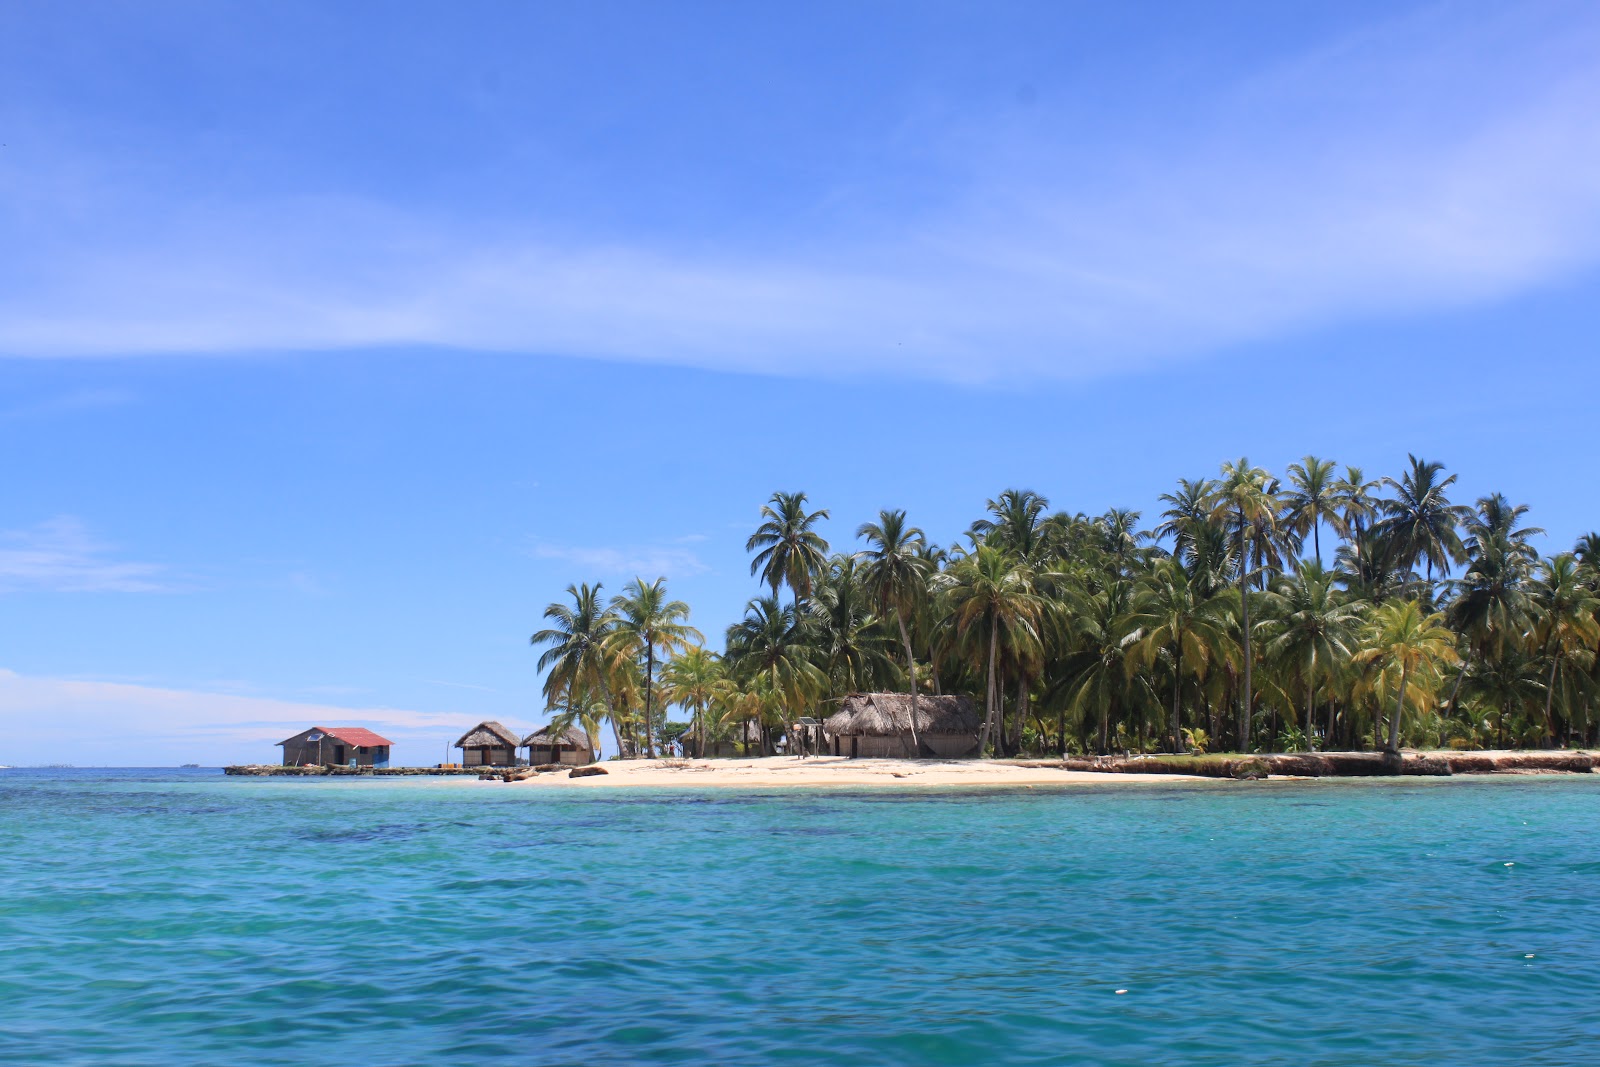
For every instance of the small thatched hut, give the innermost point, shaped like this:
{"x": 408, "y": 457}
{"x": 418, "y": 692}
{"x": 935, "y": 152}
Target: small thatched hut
{"x": 570, "y": 746}
{"x": 489, "y": 744}
{"x": 879, "y": 724}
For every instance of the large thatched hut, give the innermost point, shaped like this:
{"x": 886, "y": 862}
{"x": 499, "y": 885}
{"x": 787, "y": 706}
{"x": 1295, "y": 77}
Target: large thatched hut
{"x": 879, "y": 724}
{"x": 489, "y": 744}
{"x": 570, "y": 746}
{"x": 336, "y": 746}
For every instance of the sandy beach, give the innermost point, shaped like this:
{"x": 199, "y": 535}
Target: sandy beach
{"x": 785, "y": 771}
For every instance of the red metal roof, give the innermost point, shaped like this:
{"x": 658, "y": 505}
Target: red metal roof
{"x": 351, "y": 735}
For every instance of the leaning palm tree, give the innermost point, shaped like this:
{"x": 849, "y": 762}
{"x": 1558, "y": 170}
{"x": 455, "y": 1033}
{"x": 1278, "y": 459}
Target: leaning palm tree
{"x": 1246, "y": 496}
{"x": 1400, "y": 637}
{"x": 897, "y": 570}
{"x": 578, "y": 658}
{"x": 991, "y": 595}
{"x": 1313, "y": 499}
{"x": 649, "y": 625}
{"x": 788, "y": 550}
{"x": 1313, "y": 628}
{"x": 1565, "y": 621}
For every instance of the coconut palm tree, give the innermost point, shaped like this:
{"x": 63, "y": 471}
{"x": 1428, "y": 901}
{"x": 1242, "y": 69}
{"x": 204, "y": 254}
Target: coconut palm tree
{"x": 1356, "y": 499}
{"x": 1247, "y": 497}
{"x": 1313, "y": 500}
{"x": 1017, "y": 524}
{"x": 1490, "y": 607}
{"x": 1168, "y": 615}
{"x": 853, "y": 645}
{"x": 788, "y": 549}
{"x": 692, "y": 680}
{"x": 1401, "y": 637}
{"x": 772, "y": 642}
{"x": 897, "y": 571}
{"x": 579, "y": 660}
{"x": 1188, "y": 512}
{"x": 1564, "y": 622}
{"x": 1313, "y": 626}
{"x": 1420, "y": 523}
{"x": 648, "y": 625}
{"x": 991, "y": 595}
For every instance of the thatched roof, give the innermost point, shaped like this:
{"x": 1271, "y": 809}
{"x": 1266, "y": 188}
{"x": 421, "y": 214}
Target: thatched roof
{"x": 488, "y": 735}
{"x": 571, "y": 737}
{"x": 889, "y": 715}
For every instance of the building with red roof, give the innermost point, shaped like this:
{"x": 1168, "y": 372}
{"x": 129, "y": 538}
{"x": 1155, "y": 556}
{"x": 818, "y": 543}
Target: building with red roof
{"x": 336, "y": 746}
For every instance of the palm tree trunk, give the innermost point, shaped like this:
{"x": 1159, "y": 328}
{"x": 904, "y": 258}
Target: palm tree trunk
{"x": 1022, "y": 708}
{"x": 649, "y": 672}
{"x": 1177, "y": 680}
{"x": 1399, "y": 706}
{"x": 1316, "y": 538}
{"x": 1550, "y": 700}
{"x": 1311, "y": 684}
{"x": 1450, "y": 710}
{"x": 988, "y": 696}
{"x": 1244, "y": 615}
{"x": 911, "y": 676}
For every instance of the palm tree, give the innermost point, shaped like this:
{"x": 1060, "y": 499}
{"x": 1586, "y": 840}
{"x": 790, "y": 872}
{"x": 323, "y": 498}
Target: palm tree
{"x": 1421, "y": 523}
{"x": 1565, "y": 623}
{"x": 991, "y": 594}
{"x": 1314, "y": 500}
{"x": 850, "y": 639}
{"x": 1188, "y": 512}
{"x": 578, "y": 659}
{"x": 1313, "y": 626}
{"x": 648, "y": 624}
{"x": 1402, "y": 638}
{"x": 790, "y": 552}
{"x": 1491, "y": 603}
{"x": 1170, "y": 615}
{"x": 692, "y": 680}
{"x": 772, "y": 643}
{"x": 1247, "y": 496}
{"x": 1355, "y": 497}
{"x": 1018, "y": 525}
{"x": 897, "y": 572}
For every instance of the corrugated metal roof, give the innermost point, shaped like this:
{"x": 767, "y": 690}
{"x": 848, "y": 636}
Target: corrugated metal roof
{"x": 350, "y": 735}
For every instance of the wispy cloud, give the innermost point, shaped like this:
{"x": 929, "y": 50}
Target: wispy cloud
{"x": 1429, "y": 161}
{"x": 647, "y": 562}
{"x": 61, "y": 556}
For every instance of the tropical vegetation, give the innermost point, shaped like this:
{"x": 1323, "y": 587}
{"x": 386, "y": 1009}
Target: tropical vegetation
{"x": 1324, "y": 611}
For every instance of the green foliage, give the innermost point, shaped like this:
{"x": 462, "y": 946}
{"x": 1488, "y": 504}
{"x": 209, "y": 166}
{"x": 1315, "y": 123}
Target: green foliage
{"x": 1228, "y": 625}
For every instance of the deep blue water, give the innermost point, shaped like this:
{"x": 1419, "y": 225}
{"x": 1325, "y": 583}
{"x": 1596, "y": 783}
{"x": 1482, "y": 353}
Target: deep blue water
{"x": 156, "y": 917}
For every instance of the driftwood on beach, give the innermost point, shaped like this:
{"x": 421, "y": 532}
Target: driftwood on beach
{"x": 1333, "y": 764}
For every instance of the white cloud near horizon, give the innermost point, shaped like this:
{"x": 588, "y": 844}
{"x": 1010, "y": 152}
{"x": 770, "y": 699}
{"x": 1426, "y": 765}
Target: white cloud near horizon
{"x": 60, "y": 555}
{"x": 125, "y": 724}
{"x": 1435, "y": 160}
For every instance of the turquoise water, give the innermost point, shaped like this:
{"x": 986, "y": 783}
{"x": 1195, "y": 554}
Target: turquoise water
{"x": 179, "y": 916}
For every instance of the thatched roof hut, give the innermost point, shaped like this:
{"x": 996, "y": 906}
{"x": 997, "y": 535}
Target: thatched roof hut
{"x": 489, "y": 744}
{"x": 879, "y": 724}
{"x": 569, "y": 746}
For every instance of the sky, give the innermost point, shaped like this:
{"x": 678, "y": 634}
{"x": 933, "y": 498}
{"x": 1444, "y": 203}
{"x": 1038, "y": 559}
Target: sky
{"x": 336, "y": 341}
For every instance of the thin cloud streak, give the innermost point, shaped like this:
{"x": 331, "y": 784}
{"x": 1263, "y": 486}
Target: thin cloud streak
{"x": 641, "y": 562}
{"x": 60, "y": 556}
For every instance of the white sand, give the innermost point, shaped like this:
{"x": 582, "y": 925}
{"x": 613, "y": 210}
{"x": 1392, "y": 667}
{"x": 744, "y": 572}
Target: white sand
{"x": 792, "y": 771}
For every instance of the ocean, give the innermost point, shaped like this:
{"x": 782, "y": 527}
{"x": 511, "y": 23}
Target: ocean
{"x": 156, "y": 917}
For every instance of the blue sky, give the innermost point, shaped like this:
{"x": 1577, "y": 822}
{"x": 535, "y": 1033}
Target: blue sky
{"x": 335, "y": 342}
